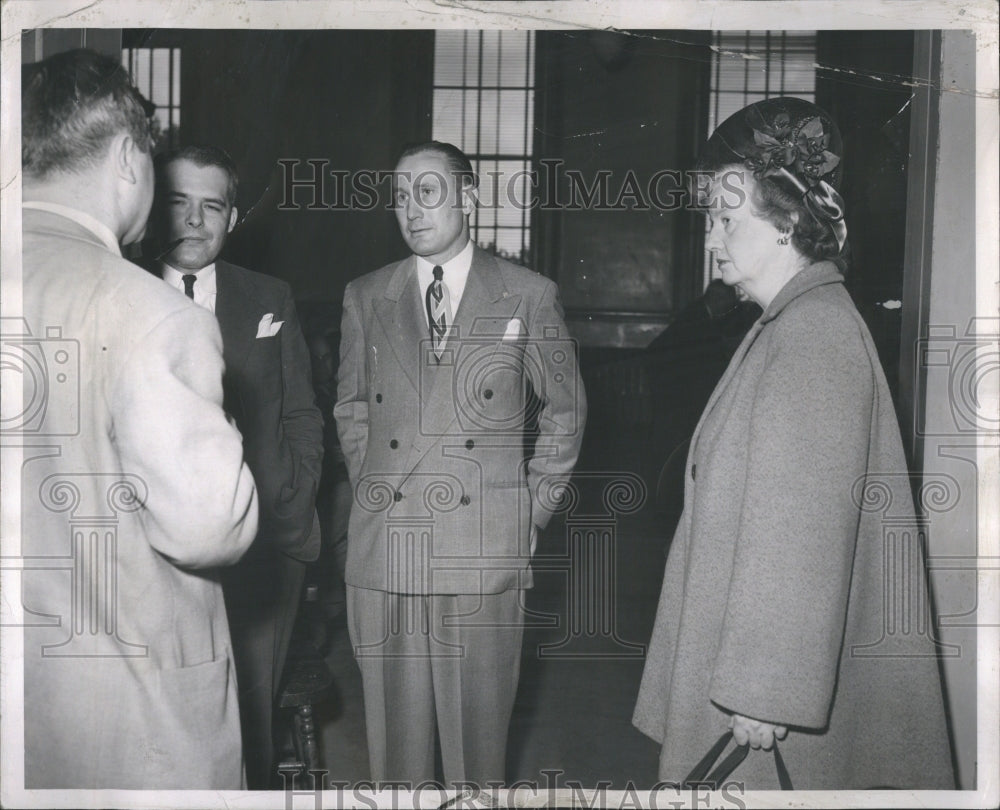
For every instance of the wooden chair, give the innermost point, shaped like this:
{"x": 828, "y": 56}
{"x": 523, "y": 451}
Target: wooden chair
{"x": 307, "y": 682}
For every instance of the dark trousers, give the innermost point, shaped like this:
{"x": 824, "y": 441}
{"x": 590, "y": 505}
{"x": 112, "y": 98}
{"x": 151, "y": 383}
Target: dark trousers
{"x": 333, "y": 504}
{"x": 262, "y": 599}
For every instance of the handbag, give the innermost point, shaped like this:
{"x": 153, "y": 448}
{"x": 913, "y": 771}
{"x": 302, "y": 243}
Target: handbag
{"x": 700, "y": 773}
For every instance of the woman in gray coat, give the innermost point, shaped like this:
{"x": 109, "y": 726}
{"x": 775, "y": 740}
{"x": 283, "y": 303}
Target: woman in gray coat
{"x": 794, "y": 604}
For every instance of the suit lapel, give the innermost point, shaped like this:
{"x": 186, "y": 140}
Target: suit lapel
{"x": 238, "y": 314}
{"x": 483, "y": 289}
{"x": 402, "y": 319}
{"x": 436, "y": 400}
{"x": 482, "y": 315}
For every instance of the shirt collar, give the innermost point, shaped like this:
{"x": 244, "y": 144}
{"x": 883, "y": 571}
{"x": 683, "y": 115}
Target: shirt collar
{"x": 81, "y": 218}
{"x": 175, "y": 277}
{"x": 458, "y": 264}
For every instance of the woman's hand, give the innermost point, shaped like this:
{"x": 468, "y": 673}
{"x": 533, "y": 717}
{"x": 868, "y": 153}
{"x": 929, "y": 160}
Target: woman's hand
{"x": 755, "y": 732}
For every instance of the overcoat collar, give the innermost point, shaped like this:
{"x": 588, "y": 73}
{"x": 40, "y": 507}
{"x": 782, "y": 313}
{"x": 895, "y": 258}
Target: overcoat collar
{"x": 815, "y": 275}
{"x": 40, "y": 221}
{"x": 84, "y": 220}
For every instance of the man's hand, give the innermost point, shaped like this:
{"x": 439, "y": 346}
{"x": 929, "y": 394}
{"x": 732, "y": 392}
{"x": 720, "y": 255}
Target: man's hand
{"x": 755, "y": 732}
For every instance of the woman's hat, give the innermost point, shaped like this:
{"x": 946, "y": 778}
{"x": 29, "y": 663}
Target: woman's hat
{"x": 791, "y": 142}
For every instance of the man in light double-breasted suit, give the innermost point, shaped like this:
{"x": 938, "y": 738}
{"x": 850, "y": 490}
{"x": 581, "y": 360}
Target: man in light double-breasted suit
{"x": 446, "y": 357}
{"x": 269, "y": 395}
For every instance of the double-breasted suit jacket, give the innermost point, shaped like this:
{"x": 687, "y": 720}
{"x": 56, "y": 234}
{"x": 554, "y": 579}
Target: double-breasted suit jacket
{"x": 444, "y": 496}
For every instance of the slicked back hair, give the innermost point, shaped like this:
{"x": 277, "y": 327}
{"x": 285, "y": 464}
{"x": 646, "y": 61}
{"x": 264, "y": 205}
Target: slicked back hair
{"x": 459, "y": 165}
{"x": 203, "y": 156}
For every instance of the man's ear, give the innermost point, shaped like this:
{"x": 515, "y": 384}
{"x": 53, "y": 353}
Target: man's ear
{"x": 233, "y": 215}
{"x": 469, "y": 200}
{"x": 123, "y": 157}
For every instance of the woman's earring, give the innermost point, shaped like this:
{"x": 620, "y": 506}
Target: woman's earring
{"x": 785, "y": 236}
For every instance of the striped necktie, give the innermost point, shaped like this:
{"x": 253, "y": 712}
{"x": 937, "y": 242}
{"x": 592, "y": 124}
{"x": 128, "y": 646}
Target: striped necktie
{"x": 438, "y": 310}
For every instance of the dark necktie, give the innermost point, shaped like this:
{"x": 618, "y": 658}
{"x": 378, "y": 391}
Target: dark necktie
{"x": 438, "y": 310}
{"x": 189, "y": 281}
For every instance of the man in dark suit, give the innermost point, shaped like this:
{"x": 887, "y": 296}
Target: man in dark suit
{"x": 440, "y": 355}
{"x": 268, "y": 393}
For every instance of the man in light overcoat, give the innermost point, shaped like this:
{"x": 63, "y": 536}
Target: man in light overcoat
{"x": 133, "y": 486}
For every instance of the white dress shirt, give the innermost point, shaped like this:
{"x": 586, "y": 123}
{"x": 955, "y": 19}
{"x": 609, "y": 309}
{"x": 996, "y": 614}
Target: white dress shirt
{"x": 204, "y": 287}
{"x": 81, "y": 218}
{"x": 455, "y": 275}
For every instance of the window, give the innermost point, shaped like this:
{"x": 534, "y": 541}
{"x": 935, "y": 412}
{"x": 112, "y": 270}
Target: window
{"x": 156, "y": 72}
{"x": 752, "y": 65}
{"x": 484, "y": 98}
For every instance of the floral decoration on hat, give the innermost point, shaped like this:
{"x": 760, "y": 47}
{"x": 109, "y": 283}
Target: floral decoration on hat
{"x": 796, "y": 151}
{"x": 790, "y": 142}
{"x": 801, "y": 147}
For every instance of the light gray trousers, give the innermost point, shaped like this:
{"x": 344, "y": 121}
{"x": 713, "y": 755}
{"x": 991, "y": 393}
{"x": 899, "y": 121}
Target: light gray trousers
{"x": 449, "y": 662}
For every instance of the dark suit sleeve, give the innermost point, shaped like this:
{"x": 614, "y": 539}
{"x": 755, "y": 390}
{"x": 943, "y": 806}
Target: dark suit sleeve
{"x": 293, "y": 462}
{"x": 563, "y": 411}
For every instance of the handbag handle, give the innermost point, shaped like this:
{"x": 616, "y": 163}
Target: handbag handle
{"x": 700, "y": 772}
{"x": 784, "y": 780}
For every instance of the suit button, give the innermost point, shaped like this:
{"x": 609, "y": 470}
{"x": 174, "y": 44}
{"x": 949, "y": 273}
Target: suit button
{"x": 469, "y": 444}
{"x": 393, "y": 444}
{"x": 378, "y": 397}
{"x": 398, "y": 496}
{"x": 465, "y": 500}
{"x": 488, "y": 393}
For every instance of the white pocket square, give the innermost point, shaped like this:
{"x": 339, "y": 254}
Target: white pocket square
{"x": 513, "y": 330}
{"x": 268, "y": 327}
